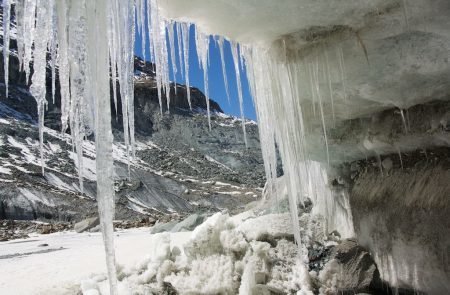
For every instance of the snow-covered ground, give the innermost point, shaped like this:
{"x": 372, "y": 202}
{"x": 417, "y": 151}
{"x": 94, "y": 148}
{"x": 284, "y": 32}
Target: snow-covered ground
{"x": 59, "y": 268}
{"x": 222, "y": 255}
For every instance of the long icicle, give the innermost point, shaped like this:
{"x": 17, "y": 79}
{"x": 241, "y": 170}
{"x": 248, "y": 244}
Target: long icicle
{"x": 37, "y": 88}
{"x": 78, "y": 84}
{"x": 234, "y": 51}
{"x": 97, "y": 17}
{"x": 171, "y": 35}
{"x": 180, "y": 47}
{"x": 202, "y": 44}
{"x": 185, "y": 32}
{"x": 220, "y": 42}
{"x": 6, "y": 28}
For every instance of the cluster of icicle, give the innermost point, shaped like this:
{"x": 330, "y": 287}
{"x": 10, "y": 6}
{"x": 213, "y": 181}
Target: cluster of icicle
{"x": 92, "y": 43}
{"x": 89, "y": 44}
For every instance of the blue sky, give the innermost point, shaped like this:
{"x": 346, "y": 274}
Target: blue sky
{"x": 216, "y": 84}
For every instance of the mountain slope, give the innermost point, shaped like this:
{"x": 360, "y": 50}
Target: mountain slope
{"x": 180, "y": 167}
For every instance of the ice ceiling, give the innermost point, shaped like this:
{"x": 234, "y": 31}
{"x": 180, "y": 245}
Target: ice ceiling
{"x": 311, "y": 65}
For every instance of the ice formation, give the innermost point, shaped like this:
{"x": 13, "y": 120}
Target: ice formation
{"x": 92, "y": 42}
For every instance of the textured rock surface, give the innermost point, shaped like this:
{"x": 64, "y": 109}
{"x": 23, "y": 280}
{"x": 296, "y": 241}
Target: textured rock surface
{"x": 181, "y": 166}
{"x": 402, "y": 216}
{"x": 86, "y": 224}
{"x": 354, "y": 268}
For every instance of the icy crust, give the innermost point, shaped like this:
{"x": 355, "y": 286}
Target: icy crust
{"x": 266, "y": 20}
{"x": 218, "y": 257}
{"x": 243, "y": 254}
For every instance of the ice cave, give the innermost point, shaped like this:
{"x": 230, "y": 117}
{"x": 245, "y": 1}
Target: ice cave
{"x": 351, "y": 195}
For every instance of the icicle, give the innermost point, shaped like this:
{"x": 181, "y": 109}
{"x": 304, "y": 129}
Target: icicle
{"x": 38, "y": 86}
{"x": 6, "y": 26}
{"x": 202, "y": 44}
{"x": 53, "y": 46}
{"x": 97, "y": 43}
{"x": 130, "y": 86}
{"x": 180, "y": 48}
{"x": 170, "y": 30}
{"x": 28, "y": 34}
{"x": 19, "y": 11}
{"x": 63, "y": 62}
{"x": 157, "y": 27}
{"x": 340, "y": 54}
{"x": 185, "y": 32}
{"x": 312, "y": 83}
{"x": 400, "y": 157}
{"x": 404, "y": 121}
{"x": 408, "y": 121}
{"x": 220, "y": 42}
{"x": 138, "y": 10}
{"x": 112, "y": 54}
{"x": 77, "y": 57}
{"x": 141, "y": 6}
{"x": 234, "y": 51}
{"x": 319, "y": 96}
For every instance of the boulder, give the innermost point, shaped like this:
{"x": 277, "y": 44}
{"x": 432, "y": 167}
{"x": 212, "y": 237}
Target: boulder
{"x": 350, "y": 270}
{"x": 46, "y": 229}
{"x": 190, "y": 223}
{"x": 86, "y": 224}
{"x": 163, "y": 227}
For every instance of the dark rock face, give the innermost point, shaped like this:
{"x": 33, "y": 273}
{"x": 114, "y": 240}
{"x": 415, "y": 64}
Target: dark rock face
{"x": 360, "y": 272}
{"x": 403, "y": 214}
{"x": 399, "y": 203}
{"x": 398, "y": 191}
{"x": 146, "y": 107}
{"x": 351, "y": 269}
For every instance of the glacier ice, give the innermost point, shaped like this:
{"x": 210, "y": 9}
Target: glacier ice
{"x": 236, "y": 61}
{"x": 6, "y": 5}
{"x": 92, "y": 42}
{"x": 220, "y": 43}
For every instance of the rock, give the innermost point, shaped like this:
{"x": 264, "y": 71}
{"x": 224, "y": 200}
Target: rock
{"x": 190, "y": 223}
{"x": 163, "y": 227}
{"x": 46, "y": 229}
{"x": 151, "y": 221}
{"x": 318, "y": 256}
{"x": 86, "y": 224}
{"x": 354, "y": 267}
{"x": 134, "y": 184}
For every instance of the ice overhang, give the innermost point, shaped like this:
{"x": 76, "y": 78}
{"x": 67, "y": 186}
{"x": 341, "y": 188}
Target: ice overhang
{"x": 363, "y": 57}
{"x": 396, "y": 52}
